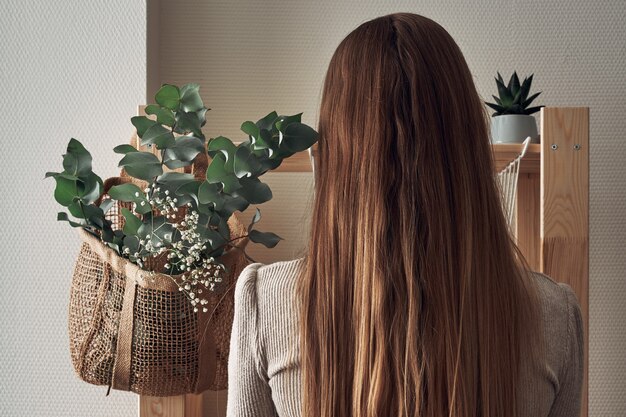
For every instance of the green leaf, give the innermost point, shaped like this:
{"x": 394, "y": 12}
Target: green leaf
{"x": 505, "y": 95}
{"x": 532, "y": 110}
{"x": 514, "y": 86}
{"x": 214, "y": 238}
{"x": 164, "y": 115}
{"x": 106, "y": 204}
{"x": 128, "y": 192}
{"x": 216, "y": 172}
{"x": 268, "y": 239}
{"x": 159, "y": 136}
{"x": 267, "y": 122}
{"x": 124, "y": 149}
{"x": 159, "y": 229}
{"x": 253, "y": 190}
{"x": 190, "y": 100}
{"x": 232, "y": 204}
{"x": 172, "y": 181}
{"x": 226, "y": 147}
{"x": 255, "y": 219}
{"x": 63, "y": 217}
{"x": 142, "y": 123}
{"x": 77, "y": 160}
{"x": 210, "y": 194}
{"x": 188, "y": 122}
{"x": 530, "y": 99}
{"x": 168, "y": 96}
{"x": 142, "y": 165}
{"x": 250, "y": 128}
{"x": 298, "y": 137}
{"x": 66, "y": 191}
{"x": 284, "y": 121}
{"x": 246, "y": 163}
{"x": 496, "y": 107}
{"x": 132, "y": 222}
{"x": 89, "y": 188}
{"x": 182, "y": 152}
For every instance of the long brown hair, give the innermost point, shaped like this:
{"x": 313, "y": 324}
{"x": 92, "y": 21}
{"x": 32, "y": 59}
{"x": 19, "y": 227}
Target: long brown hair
{"x": 415, "y": 301}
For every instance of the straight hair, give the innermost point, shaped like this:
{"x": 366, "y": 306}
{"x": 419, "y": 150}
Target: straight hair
{"x": 414, "y": 298}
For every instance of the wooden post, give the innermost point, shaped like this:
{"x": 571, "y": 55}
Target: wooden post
{"x": 565, "y": 207}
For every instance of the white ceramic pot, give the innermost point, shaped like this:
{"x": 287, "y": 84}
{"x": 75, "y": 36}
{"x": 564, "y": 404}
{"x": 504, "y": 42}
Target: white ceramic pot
{"x": 513, "y": 128}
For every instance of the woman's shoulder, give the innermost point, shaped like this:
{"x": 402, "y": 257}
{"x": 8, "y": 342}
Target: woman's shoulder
{"x": 562, "y": 321}
{"x": 269, "y": 283}
{"x": 558, "y": 297}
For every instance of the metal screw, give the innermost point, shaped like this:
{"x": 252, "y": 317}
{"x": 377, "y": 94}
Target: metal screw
{"x": 577, "y": 147}
{"x": 554, "y": 147}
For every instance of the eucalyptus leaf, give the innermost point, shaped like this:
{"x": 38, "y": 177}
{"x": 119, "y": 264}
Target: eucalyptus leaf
{"x": 226, "y": 147}
{"x": 210, "y": 194}
{"x": 168, "y": 96}
{"x": 182, "y": 152}
{"x": 268, "y": 239}
{"x": 246, "y": 163}
{"x": 255, "y": 218}
{"x": 124, "y": 149}
{"x": 159, "y": 136}
{"x": 190, "y": 100}
{"x": 267, "y": 122}
{"x": 89, "y": 188}
{"x": 284, "y": 121}
{"x": 216, "y": 172}
{"x": 254, "y": 191}
{"x": 164, "y": 115}
{"x": 142, "y": 123}
{"x": 131, "y": 222}
{"x": 63, "y": 217}
{"x": 128, "y": 192}
{"x": 66, "y": 191}
{"x": 77, "y": 160}
{"x": 298, "y": 137}
{"x": 188, "y": 123}
{"x": 142, "y": 165}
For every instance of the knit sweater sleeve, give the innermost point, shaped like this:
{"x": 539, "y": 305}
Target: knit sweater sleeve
{"x": 568, "y": 398}
{"x": 249, "y": 393}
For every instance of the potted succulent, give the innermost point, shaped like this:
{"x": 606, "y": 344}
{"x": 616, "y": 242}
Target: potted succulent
{"x": 512, "y": 121}
{"x": 151, "y": 302}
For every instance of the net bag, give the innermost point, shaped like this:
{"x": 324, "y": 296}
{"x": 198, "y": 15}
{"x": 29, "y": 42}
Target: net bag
{"x": 133, "y": 330}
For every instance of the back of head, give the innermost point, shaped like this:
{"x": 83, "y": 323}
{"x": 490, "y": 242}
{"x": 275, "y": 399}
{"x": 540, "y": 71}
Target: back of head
{"x": 415, "y": 301}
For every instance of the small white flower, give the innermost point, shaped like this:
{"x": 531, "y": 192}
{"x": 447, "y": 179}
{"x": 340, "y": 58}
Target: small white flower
{"x": 136, "y": 194}
{"x": 143, "y": 203}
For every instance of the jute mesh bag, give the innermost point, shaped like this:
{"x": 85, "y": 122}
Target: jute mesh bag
{"x": 134, "y": 330}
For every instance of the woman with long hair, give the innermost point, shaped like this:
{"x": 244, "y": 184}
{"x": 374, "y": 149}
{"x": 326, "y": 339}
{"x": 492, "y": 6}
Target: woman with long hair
{"x": 411, "y": 298}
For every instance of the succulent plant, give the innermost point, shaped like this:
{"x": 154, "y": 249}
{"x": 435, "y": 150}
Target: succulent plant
{"x": 514, "y": 96}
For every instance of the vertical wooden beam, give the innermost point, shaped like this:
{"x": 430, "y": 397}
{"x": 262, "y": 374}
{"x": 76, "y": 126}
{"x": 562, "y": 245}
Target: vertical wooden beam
{"x": 527, "y": 222}
{"x": 565, "y": 207}
{"x": 162, "y": 406}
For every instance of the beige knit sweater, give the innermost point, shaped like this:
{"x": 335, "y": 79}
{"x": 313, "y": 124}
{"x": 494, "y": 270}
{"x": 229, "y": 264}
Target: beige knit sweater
{"x": 264, "y": 371}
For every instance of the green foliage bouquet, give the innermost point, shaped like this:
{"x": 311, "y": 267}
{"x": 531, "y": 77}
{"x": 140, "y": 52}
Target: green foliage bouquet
{"x": 153, "y": 225}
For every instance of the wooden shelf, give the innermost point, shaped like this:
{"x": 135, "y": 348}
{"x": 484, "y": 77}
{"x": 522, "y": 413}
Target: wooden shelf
{"x": 503, "y": 153}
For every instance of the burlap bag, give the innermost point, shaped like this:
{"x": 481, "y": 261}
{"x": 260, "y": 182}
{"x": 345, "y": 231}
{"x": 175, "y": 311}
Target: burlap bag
{"x": 135, "y": 331}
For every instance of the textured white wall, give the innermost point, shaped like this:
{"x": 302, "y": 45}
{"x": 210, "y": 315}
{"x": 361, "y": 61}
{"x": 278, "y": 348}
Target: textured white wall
{"x": 252, "y": 57}
{"x": 67, "y": 69}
